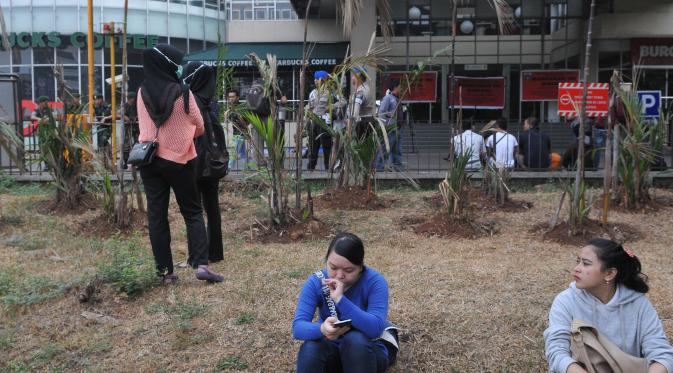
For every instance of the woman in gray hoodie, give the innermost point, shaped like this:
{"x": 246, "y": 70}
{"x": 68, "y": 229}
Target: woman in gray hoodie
{"x": 609, "y": 293}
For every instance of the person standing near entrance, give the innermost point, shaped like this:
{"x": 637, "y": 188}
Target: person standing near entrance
{"x": 74, "y": 105}
{"x": 168, "y": 112}
{"x": 103, "y": 118}
{"x": 389, "y": 112}
{"x": 534, "y": 145}
{"x": 42, "y": 111}
{"x": 239, "y": 128}
{"x": 318, "y": 103}
{"x": 361, "y": 106}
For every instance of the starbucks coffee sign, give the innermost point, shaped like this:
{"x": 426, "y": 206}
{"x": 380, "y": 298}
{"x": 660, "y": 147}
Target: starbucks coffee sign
{"x": 53, "y": 39}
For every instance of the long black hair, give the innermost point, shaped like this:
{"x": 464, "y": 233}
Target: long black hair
{"x": 614, "y": 255}
{"x": 349, "y": 246}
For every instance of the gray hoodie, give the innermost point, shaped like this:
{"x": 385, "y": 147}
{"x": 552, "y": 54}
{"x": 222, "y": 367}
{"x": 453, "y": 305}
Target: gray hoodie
{"x": 628, "y": 320}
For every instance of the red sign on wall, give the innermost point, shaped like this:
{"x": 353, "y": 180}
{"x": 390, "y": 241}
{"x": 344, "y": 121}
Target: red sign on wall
{"x": 652, "y": 51}
{"x": 570, "y": 99}
{"x": 542, "y": 85}
{"x": 423, "y": 90}
{"x": 478, "y": 93}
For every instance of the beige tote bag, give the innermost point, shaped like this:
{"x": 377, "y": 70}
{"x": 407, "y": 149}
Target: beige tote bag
{"x": 598, "y": 355}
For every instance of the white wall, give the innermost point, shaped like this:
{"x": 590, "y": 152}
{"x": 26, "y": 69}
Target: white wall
{"x": 650, "y": 21}
{"x": 283, "y": 31}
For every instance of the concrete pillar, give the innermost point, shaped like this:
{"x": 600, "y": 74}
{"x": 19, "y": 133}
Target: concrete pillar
{"x": 444, "y": 95}
{"x": 360, "y": 37}
{"x": 506, "y": 72}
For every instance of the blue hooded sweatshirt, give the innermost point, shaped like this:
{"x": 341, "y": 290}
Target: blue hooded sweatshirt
{"x": 628, "y": 320}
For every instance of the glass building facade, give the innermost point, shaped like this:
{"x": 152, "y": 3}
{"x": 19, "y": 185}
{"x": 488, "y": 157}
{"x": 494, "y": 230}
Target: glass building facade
{"x": 45, "y": 33}
{"x": 259, "y": 10}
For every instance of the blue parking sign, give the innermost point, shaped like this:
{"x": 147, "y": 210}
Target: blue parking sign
{"x": 650, "y": 102}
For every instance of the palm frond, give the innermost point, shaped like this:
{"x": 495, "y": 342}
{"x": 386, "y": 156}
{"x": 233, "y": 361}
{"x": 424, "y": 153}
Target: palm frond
{"x": 10, "y": 141}
{"x": 505, "y": 15}
{"x": 348, "y": 11}
{"x": 385, "y": 18}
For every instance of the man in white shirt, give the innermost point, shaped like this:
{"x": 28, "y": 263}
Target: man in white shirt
{"x": 472, "y": 142}
{"x": 501, "y": 146}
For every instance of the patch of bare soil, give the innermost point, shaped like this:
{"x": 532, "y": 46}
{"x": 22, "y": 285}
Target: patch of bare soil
{"x": 52, "y": 207}
{"x": 442, "y": 225}
{"x": 351, "y": 198}
{"x": 654, "y": 204}
{"x": 619, "y": 232}
{"x": 312, "y": 229}
{"x": 227, "y": 206}
{"x": 479, "y": 201}
{"x": 100, "y": 226}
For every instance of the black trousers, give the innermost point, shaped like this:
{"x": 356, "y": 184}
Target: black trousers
{"x": 317, "y": 137}
{"x": 158, "y": 179}
{"x": 209, "y": 189}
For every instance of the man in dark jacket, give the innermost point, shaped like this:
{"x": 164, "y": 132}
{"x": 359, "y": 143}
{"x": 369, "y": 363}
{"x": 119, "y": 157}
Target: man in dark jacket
{"x": 534, "y": 145}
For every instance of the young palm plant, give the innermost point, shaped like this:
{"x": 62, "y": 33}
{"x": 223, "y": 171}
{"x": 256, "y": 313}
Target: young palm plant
{"x": 577, "y": 195}
{"x": 496, "y": 179}
{"x": 641, "y": 142}
{"x": 270, "y": 131}
{"x": 454, "y": 187}
{"x": 59, "y": 149}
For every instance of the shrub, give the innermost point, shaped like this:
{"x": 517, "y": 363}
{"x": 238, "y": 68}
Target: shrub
{"x": 129, "y": 268}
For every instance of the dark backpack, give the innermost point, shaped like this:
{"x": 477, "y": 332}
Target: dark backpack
{"x": 212, "y": 154}
{"x": 257, "y": 102}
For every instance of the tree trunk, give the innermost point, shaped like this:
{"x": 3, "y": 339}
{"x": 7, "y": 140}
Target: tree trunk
{"x": 452, "y": 73}
{"x": 300, "y": 123}
{"x": 136, "y": 190}
{"x": 615, "y": 159}
{"x": 122, "y": 217}
{"x": 579, "y": 176}
{"x": 607, "y": 158}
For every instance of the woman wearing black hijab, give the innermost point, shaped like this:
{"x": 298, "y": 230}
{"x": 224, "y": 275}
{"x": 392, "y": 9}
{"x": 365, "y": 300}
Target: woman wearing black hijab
{"x": 201, "y": 80}
{"x": 168, "y": 112}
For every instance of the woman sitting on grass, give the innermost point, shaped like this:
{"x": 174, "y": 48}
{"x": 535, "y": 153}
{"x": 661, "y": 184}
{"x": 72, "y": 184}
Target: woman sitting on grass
{"x": 351, "y": 291}
{"x": 609, "y": 293}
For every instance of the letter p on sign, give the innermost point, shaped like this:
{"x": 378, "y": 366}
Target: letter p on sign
{"x": 650, "y": 102}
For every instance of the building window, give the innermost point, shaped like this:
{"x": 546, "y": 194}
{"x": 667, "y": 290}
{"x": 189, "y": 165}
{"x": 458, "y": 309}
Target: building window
{"x": 259, "y": 10}
{"x": 67, "y": 54}
{"x": 44, "y": 82}
{"x": 25, "y": 83}
{"x": 21, "y": 56}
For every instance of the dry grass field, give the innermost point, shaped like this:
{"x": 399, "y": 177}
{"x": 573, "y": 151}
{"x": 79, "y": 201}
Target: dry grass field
{"x": 465, "y": 305}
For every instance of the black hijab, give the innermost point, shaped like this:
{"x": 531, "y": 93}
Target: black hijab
{"x": 201, "y": 80}
{"x": 162, "y": 85}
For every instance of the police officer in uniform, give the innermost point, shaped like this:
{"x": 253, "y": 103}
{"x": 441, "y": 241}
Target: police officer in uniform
{"x": 103, "y": 117}
{"x": 131, "y": 115}
{"x": 361, "y": 106}
{"x": 74, "y": 106}
{"x": 131, "y": 129}
{"x": 318, "y": 103}
{"x": 41, "y": 112}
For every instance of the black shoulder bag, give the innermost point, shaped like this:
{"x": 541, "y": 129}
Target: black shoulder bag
{"x": 142, "y": 153}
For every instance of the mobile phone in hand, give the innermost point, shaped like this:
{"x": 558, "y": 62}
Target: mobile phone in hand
{"x": 343, "y": 323}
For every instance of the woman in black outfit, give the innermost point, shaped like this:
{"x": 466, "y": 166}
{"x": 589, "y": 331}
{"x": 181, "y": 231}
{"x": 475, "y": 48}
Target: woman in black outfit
{"x": 168, "y": 114}
{"x": 201, "y": 80}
